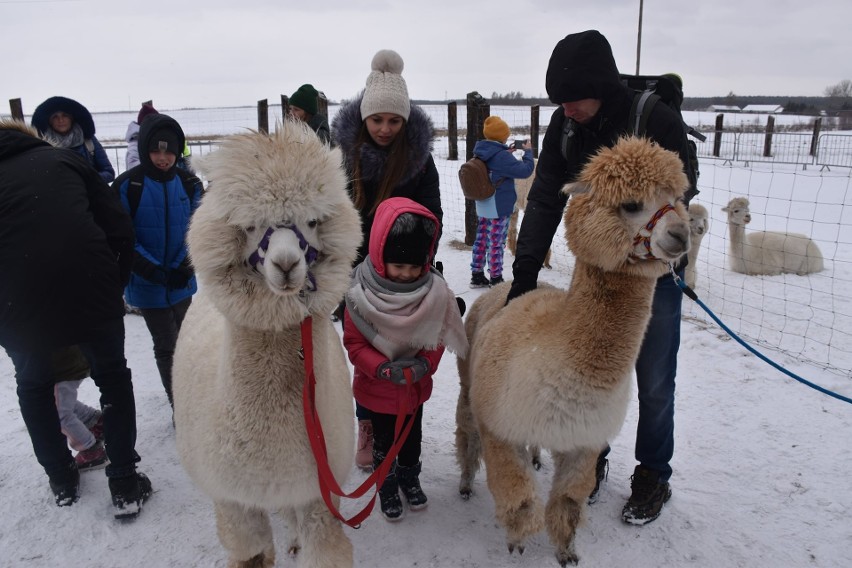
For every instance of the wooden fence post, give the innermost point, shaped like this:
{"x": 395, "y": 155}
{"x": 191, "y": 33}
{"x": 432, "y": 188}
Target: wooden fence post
{"x": 17, "y": 109}
{"x": 263, "y": 116}
{"x": 285, "y": 106}
{"x": 534, "y": 129}
{"x": 815, "y": 137}
{"x": 453, "y": 130}
{"x": 717, "y": 139}
{"x": 767, "y": 141}
{"x": 478, "y": 110}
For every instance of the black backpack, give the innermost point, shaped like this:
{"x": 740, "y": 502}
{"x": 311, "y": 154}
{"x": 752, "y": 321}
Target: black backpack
{"x": 652, "y": 89}
{"x": 137, "y": 178}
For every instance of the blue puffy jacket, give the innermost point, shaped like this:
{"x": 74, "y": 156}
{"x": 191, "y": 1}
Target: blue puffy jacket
{"x": 504, "y": 169}
{"x": 161, "y": 221}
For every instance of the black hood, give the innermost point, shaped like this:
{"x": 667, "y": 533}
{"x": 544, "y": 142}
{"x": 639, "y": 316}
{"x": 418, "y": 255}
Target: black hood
{"x": 150, "y": 126}
{"x": 582, "y": 67}
{"x": 80, "y": 114}
{"x": 14, "y": 141}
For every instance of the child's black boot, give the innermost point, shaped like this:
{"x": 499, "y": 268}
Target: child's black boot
{"x": 409, "y": 482}
{"x": 389, "y": 501}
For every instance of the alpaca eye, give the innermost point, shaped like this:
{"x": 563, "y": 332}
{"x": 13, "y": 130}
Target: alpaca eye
{"x": 631, "y": 206}
{"x": 312, "y": 224}
{"x": 249, "y": 229}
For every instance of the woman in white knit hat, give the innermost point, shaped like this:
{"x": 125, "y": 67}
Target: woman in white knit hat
{"x": 387, "y": 146}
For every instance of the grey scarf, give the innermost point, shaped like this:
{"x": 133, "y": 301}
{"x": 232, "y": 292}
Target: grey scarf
{"x": 72, "y": 139}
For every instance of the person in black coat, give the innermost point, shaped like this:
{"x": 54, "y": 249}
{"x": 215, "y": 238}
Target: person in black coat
{"x": 66, "y": 247}
{"x": 594, "y": 106}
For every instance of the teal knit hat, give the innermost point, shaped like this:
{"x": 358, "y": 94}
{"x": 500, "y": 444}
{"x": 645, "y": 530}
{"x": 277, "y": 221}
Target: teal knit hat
{"x": 305, "y": 98}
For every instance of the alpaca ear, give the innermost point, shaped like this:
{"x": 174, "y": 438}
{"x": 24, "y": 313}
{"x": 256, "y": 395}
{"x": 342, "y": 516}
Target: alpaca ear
{"x": 576, "y": 188}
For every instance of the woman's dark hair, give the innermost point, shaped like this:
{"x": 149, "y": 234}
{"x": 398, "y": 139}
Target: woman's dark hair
{"x": 395, "y": 167}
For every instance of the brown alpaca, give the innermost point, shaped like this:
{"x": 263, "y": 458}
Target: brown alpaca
{"x": 553, "y": 368}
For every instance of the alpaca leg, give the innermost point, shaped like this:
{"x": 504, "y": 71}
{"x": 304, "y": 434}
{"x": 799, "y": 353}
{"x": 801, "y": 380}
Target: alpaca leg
{"x": 468, "y": 448}
{"x": 535, "y": 456}
{"x": 289, "y": 516}
{"x": 324, "y": 544}
{"x": 573, "y": 481}
{"x": 547, "y": 259}
{"x": 246, "y": 534}
{"x": 512, "y": 241}
{"x": 512, "y": 485}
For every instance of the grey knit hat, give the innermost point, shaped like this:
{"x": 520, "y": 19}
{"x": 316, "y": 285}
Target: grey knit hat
{"x": 386, "y": 90}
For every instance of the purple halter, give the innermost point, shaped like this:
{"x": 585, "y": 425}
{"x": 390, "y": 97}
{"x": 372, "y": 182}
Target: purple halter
{"x": 258, "y": 257}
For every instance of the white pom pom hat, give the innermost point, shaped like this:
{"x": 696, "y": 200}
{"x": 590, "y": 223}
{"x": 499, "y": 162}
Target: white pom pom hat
{"x": 386, "y": 89}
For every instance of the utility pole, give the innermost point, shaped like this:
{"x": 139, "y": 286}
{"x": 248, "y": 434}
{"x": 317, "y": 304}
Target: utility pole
{"x": 639, "y": 41}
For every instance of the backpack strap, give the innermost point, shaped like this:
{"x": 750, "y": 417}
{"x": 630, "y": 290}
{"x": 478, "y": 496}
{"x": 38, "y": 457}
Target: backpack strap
{"x": 569, "y": 130}
{"x": 134, "y": 190}
{"x": 640, "y": 111}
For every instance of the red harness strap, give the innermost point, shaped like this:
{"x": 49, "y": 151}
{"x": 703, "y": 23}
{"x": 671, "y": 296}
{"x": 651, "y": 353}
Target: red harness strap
{"x": 328, "y": 485}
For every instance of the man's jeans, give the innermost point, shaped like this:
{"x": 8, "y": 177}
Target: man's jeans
{"x": 656, "y": 368}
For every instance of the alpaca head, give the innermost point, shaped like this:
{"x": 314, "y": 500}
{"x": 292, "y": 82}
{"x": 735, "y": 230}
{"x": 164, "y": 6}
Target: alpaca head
{"x": 276, "y": 233}
{"x": 738, "y": 212}
{"x": 699, "y": 223}
{"x": 627, "y": 210}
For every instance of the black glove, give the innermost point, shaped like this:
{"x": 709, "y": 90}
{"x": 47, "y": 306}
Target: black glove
{"x": 149, "y": 271}
{"x": 394, "y": 371}
{"x": 179, "y": 277}
{"x": 520, "y": 286}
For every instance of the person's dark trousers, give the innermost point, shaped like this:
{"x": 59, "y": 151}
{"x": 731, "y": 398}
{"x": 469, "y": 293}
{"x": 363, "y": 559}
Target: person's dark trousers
{"x": 164, "y": 325}
{"x": 383, "y": 425}
{"x": 656, "y": 368}
{"x": 35, "y": 379}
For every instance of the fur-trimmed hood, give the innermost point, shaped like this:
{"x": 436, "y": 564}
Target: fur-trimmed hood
{"x": 347, "y": 123}
{"x": 16, "y": 138}
{"x": 80, "y": 114}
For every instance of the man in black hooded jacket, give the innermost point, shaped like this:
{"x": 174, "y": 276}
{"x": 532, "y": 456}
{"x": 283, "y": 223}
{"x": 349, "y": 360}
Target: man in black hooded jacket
{"x": 593, "y": 112}
{"x": 66, "y": 247}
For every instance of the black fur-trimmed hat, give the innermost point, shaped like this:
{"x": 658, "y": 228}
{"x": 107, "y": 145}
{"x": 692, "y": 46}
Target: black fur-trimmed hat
{"x": 409, "y": 241}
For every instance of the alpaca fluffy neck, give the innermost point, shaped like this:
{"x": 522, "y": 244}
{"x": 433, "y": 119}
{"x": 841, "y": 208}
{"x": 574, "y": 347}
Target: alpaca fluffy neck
{"x": 263, "y": 363}
{"x": 609, "y": 311}
{"x": 737, "y": 243}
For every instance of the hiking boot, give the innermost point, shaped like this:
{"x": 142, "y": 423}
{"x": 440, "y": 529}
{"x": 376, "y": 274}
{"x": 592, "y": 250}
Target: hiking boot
{"x": 364, "y": 455}
{"x": 66, "y": 490}
{"x": 92, "y": 458}
{"x": 128, "y": 494}
{"x": 496, "y": 280}
{"x": 647, "y": 497}
{"x": 409, "y": 481}
{"x": 601, "y": 471}
{"x": 478, "y": 280}
{"x": 97, "y": 427}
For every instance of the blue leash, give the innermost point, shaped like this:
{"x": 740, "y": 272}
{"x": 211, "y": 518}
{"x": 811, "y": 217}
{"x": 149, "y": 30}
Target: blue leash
{"x": 689, "y": 292}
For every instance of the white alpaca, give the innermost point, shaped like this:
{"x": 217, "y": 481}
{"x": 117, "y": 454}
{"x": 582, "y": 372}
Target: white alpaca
{"x": 768, "y": 252}
{"x": 699, "y": 225}
{"x": 522, "y": 189}
{"x": 553, "y": 368}
{"x": 272, "y": 244}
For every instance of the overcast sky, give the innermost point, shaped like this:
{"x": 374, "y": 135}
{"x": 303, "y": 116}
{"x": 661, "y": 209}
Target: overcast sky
{"x": 111, "y": 55}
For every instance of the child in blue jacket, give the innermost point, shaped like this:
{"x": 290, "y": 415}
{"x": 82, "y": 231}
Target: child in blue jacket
{"x": 161, "y": 198}
{"x": 494, "y": 212}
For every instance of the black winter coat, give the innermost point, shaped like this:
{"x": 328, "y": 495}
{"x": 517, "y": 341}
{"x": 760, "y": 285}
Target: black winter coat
{"x": 66, "y": 246}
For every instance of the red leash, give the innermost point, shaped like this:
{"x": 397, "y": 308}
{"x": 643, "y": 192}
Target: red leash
{"x": 328, "y": 485}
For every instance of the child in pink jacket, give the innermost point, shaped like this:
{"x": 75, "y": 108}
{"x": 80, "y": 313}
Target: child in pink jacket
{"x": 400, "y": 316}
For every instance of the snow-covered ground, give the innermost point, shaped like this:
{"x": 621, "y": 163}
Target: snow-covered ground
{"x": 761, "y": 467}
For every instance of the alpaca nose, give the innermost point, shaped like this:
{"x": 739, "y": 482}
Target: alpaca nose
{"x": 681, "y": 235}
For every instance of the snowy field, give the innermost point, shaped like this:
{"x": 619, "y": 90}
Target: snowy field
{"x": 761, "y": 467}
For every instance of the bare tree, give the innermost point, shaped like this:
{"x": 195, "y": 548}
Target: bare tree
{"x": 842, "y": 89}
